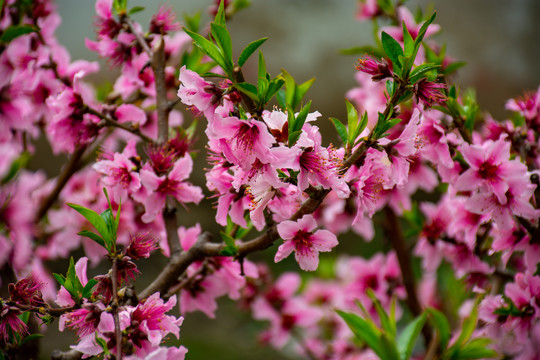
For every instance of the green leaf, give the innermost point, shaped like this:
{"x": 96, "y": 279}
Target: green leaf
{"x": 223, "y": 39}
{"x": 293, "y": 137}
{"x": 357, "y": 50}
{"x": 87, "y": 290}
{"x": 280, "y": 97}
{"x": 193, "y": 22}
{"x": 476, "y": 349}
{"x": 296, "y": 123}
{"x": 392, "y": 49}
{"x": 93, "y": 236}
{"x": 261, "y": 74}
{"x": 60, "y": 278}
{"x": 249, "y": 50}
{"x": 387, "y": 350}
{"x": 231, "y": 249}
{"x": 30, "y": 338}
{"x": 417, "y": 72}
{"x": 363, "y": 329}
{"x": 15, "y": 31}
{"x": 16, "y": 166}
{"x": 422, "y": 32}
{"x": 300, "y": 92}
{"x": 469, "y": 324}
{"x": 135, "y": 10}
{"x": 408, "y": 336}
{"x": 120, "y": 6}
{"x": 209, "y": 48}
{"x": 453, "y": 67}
{"x": 352, "y": 121}
{"x": 249, "y": 89}
{"x": 386, "y": 324}
{"x": 220, "y": 14}
{"x": 341, "y": 129}
{"x": 408, "y": 41}
{"x": 95, "y": 219}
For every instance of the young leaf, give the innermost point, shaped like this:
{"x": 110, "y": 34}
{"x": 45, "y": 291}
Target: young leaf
{"x": 87, "y": 290}
{"x": 392, "y": 49}
{"x": 407, "y": 41}
{"x": 192, "y": 22}
{"x": 248, "y": 89}
{"x": 476, "y": 349}
{"x": 408, "y": 336}
{"x": 249, "y": 50}
{"x": 135, "y": 10}
{"x": 352, "y": 121}
{"x": 220, "y": 14}
{"x": 223, "y": 39}
{"x": 93, "y": 236}
{"x": 341, "y": 129}
{"x": 300, "y": 92}
{"x": 95, "y": 219}
{"x": 417, "y": 72}
{"x": 362, "y": 329}
{"x": 15, "y": 31}
{"x": 422, "y": 32}
{"x": 209, "y": 48}
{"x": 60, "y": 278}
{"x": 231, "y": 249}
{"x": 387, "y": 325}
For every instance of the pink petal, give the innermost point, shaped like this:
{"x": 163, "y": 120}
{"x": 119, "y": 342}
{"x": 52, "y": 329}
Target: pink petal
{"x": 284, "y": 250}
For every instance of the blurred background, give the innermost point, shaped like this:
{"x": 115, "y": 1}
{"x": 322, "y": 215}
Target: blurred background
{"x": 499, "y": 40}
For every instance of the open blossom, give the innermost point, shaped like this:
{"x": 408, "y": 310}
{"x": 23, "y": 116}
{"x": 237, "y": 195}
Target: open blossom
{"x": 164, "y": 20}
{"x": 429, "y": 92}
{"x": 158, "y": 187}
{"x": 306, "y": 244}
{"x": 490, "y": 168}
{"x": 194, "y": 91}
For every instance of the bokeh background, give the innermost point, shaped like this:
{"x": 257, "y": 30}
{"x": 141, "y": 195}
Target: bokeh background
{"x": 499, "y": 39}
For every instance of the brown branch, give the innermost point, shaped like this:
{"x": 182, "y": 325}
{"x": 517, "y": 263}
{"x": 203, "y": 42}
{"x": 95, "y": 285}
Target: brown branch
{"x": 70, "y": 168}
{"x": 395, "y": 235}
{"x": 117, "y": 329}
{"x": 171, "y": 226}
{"x": 138, "y": 36}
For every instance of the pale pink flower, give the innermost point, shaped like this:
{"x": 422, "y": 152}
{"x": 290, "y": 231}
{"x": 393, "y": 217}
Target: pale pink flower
{"x": 300, "y": 237}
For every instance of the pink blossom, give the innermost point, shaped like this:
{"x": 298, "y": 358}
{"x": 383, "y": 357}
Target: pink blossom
{"x": 120, "y": 172}
{"x": 173, "y": 184}
{"x": 194, "y": 92}
{"x": 164, "y": 21}
{"x": 306, "y": 244}
{"x": 490, "y": 168}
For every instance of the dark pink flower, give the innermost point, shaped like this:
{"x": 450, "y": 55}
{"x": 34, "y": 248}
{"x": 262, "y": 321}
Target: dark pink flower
{"x": 10, "y": 324}
{"x": 429, "y": 92}
{"x": 27, "y": 292}
{"x": 300, "y": 237}
{"x": 141, "y": 246}
{"x": 377, "y": 69}
{"x": 164, "y": 21}
{"x": 83, "y": 321}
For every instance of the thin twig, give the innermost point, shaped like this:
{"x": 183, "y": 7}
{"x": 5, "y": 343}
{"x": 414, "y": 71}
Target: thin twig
{"x": 71, "y": 168}
{"x": 117, "y": 329}
{"x": 115, "y": 123}
{"x": 139, "y": 37}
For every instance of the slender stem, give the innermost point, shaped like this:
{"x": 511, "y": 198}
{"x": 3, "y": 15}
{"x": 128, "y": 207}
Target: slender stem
{"x": 115, "y": 123}
{"x": 117, "y": 329}
{"x": 138, "y": 36}
{"x": 66, "y": 355}
{"x": 71, "y": 167}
